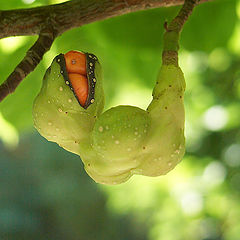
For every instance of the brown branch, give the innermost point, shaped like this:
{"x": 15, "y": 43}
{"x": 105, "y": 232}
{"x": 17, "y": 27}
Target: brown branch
{"x": 57, "y": 19}
{"x": 178, "y": 22}
{"x": 172, "y": 34}
{"x": 72, "y": 14}
{"x": 28, "y": 64}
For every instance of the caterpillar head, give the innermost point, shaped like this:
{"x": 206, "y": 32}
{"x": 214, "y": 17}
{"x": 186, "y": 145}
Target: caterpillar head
{"x": 70, "y": 100}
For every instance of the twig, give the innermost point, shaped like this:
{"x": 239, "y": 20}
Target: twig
{"x": 172, "y": 33}
{"x": 28, "y": 64}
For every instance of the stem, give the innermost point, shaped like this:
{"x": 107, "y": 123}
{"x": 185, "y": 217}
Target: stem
{"x": 28, "y": 64}
{"x": 172, "y": 34}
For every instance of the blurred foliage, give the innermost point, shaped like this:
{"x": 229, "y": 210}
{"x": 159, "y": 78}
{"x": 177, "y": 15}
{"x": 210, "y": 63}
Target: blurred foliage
{"x": 44, "y": 191}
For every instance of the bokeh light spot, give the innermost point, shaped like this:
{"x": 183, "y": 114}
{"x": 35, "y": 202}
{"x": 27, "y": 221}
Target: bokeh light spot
{"x": 219, "y": 60}
{"x": 215, "y": 118}
{"x": 214, "y": 174}
{"x": 191, "y": 202}
{"x": 232, "y": 155}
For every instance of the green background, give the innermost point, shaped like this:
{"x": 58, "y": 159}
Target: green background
{"x": 44, "y": 191}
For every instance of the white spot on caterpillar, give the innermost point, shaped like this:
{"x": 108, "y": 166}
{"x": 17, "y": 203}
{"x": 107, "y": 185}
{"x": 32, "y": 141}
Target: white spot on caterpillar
{"x": 60, "y": 110}
{"x": 177, "y": 151}
{"x": 92, "y": 100}
{"x": 60, "y": 89}
{"x": 94, "y": 80}
{"x": 70, "y": 100}
{"x": 60, "y": 71}
{"x": 67, "y": 82}
{"x": 90, "y": 64}
{"x": 100, "y": 129}
{"x": 58, "y": 60}
{"x": 117, "y": 142}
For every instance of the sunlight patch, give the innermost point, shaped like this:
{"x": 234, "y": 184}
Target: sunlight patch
{"x": 28, "y": 1}
{"x": 8, "y": 134}
{"x": 11, "y": 44}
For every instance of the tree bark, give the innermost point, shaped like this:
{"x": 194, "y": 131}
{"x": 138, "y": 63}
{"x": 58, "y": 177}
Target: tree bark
{"x": 72, "y": 14}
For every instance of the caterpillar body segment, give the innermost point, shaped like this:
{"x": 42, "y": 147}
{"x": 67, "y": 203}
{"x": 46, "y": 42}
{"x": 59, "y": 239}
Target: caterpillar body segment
{"x": 57, "y": 114}
{"x": 165, "y": 146}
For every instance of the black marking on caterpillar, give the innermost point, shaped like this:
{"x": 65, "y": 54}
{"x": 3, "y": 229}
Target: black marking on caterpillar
{"x": 91, "y": 60}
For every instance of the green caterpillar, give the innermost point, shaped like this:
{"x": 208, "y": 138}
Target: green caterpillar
{"x": 122, "y": 141}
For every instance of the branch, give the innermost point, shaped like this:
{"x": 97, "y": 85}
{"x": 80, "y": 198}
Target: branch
{"x": 72, "y": 14}
{"x": 172, "y": 34}
{"x": 28, "y": 64}
{"x": 50, "y": 21}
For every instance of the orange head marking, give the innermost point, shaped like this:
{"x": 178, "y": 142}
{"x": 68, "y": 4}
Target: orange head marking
{"x": 76, "y": 62}
{"x": 77, "y": 73}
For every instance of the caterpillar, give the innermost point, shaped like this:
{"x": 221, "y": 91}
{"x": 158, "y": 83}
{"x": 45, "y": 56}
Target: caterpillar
{"x": 122, "y": 141}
